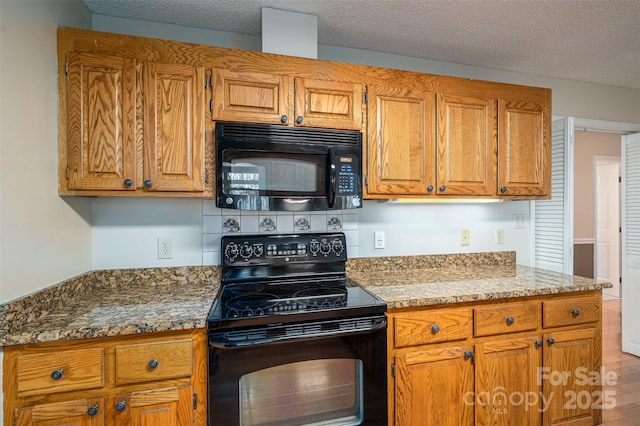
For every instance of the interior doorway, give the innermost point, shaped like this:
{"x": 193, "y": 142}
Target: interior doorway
{"x": 606, "y": 173}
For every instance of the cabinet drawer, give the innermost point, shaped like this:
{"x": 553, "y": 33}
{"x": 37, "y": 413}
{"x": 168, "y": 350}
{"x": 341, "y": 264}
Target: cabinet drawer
{"x": 432, "y": 327}
{"x": 46, "y": 373}
{"x": 506, "y": 318}
{"x": 576, "y": 310}
{"x": 153, "y": 361}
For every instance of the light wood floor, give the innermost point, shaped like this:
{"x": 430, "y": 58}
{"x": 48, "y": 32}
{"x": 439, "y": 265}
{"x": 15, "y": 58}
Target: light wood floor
{"x": 627, "y": 367}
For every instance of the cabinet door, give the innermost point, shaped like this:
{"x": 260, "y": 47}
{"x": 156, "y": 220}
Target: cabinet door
{"x": 567, "y": 377}
{"x": 86, "y": 412}
{"x": 328, "y": 104}
{"x": 401, "y": 143}
{"x": 524, "y": 149}
{"x": 101, "y": 122}
{"x": 250, "y": 97}
{"x": 158, "y": 407}
{"x": 507, "y": 389}
{"x": 434, "y": 387}
{"x": 174, "y": 127}
{"x": 466, "y": 145}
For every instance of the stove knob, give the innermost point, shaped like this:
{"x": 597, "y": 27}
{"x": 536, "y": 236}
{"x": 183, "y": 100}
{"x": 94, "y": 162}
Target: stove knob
{"x": 258, "y": 250}
{"x": 314, "y": 246}
{"x": 325, "y": 247}
{"x": 231, "y": 251}
{"x": 338, "y": 247}
{"x": 246, "y": 251}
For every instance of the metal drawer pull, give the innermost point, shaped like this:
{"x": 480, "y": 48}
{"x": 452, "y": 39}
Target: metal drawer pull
{"x": 435, "y": 329}
{"x": 510, "y": 320}
{"x": 538, "y": 343}
{"x": 93, "y": 410}
{"x": 575, "y": 312}
{"x": 121, "y": 406}
{"x": 153, "y": 363}
{"x": 57, "y": 374}
{"x": 550, "y": 341}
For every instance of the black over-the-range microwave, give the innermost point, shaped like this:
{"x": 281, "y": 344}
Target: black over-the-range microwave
{"x": 271, "y": 167}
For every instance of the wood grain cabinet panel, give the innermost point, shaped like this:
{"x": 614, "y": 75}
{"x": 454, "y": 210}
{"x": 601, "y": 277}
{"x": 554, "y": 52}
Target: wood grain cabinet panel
{"x": 86, "y": 412}
{"x": 60, "y": 371}
{"x": 157, "y": 407}
{"x": 329, "y": 104}
{"x": 153, "y": 361}
{"x": 524, "y": 150}
{"x": 101, "y": 122}
{"x": 578, "y": 310}
{"x": 506, "y": 318}
{"x": 431, "y": 388}
{"x": 174, "y": 127}
{"x": 432, "y": 327}
{"x": 401, "y": 142}
{"x": 466, "y": 145}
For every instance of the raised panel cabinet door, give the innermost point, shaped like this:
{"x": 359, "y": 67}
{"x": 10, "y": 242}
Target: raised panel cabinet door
{"x": 401, "y": 142}
{"x": 467, "y": 142}
{"x": 328, "y": 104}
{"x": 101, "y": 122}
{"x": 524, "y": 149}
{"x": 250, "y": 97}
{"x": 507, "y": 390}
{"x": 157, "y": 407}
{"x": 86, "y": 412}
{"x": 174, "y": 127}
{"x": 434, "y": 388}
{"x": 568, "y": 377}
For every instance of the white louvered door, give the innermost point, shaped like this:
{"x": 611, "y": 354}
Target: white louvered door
{"x": 631, "y": 244}
{"x": 553, "y": 219}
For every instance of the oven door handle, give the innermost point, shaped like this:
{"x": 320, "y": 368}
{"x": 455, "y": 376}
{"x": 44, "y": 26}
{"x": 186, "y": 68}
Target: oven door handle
{"x": 221, "y": 340}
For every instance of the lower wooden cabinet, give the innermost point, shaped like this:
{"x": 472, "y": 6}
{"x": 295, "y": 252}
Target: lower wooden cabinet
{"x": 152, "y": 379}
{"x": 540, "y": 373}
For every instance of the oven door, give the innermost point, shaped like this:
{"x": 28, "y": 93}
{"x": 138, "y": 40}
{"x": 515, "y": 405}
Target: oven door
{"x": 323, "y": 381}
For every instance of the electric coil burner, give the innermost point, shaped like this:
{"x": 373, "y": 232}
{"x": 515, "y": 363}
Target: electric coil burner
{"x": 290, "y": 341}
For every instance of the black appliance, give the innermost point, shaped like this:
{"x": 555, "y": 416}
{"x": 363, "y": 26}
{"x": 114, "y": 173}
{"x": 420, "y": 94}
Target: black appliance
{"x": 271, "y": 167}
{"x": 290, "y": 342}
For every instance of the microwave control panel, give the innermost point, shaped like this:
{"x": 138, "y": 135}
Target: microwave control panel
{"x": 347, "y": 176}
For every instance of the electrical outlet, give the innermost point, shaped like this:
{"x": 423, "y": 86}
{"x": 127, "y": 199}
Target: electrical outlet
{"x": 165, "y": 248}
{"x": 464, "y": 237}
{"x": 499, "y": 236}
{"x": 378, "y": 239}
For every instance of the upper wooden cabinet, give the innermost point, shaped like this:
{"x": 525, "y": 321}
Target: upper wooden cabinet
{"x": 101, "y": 122}
{"x": 260, "y": 97}
{"x": 133, "y": 127}
{"x": 401, "y": 141}
{"x": 524, "y": 148}
{"x": 466, "y": 145}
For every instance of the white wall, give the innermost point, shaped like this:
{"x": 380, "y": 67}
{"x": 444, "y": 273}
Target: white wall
{"x": 43, "y": 239}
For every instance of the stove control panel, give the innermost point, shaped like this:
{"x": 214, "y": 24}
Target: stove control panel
{"x": 283, "y": 249}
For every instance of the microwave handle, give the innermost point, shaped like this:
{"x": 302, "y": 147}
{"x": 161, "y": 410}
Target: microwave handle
{"x": 332, "y": 178}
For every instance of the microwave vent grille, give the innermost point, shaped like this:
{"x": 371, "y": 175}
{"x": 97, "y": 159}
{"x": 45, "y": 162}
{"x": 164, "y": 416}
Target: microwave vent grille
{"x": 275, "y": 133}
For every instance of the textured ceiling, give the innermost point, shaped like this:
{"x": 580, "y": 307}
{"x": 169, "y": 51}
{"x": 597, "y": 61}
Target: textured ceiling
{"x": 589, "y": 40}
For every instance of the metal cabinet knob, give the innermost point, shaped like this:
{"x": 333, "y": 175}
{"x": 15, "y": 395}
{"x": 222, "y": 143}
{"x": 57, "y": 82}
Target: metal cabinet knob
{"x": 284, "y": 119}
{"x": 153, "y": 363}
{"x": 93, "y": 410}
{"x": 575, "y": 312}
{"x": 503, "y": 189}
{"x": 128, "y": 182}
{"x": 430, "y": 188}
{"x": 147, "y": 183}
{"x": 550, "y": 341}
{"x": 443, "y": 188}
{"x": 299, "y": 119}
{"x": 435, "y": 329}
{"x": 121, "y": 406}
{"x": 57, "y": 374}
{"x": 538, "y": 343}
{"x": 510, "y": 320}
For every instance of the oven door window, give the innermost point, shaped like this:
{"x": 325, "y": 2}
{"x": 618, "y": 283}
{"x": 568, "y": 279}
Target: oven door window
{"x": 316, "y": 392}
{"x": 264, "y": 173}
